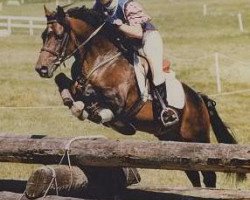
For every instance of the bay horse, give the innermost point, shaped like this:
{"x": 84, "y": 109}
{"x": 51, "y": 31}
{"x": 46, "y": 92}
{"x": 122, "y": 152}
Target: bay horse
{"x": 109, "y": 81}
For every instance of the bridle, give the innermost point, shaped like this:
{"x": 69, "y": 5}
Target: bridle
{"x": 61, "y": 56}
{"x": 62, "y": 50}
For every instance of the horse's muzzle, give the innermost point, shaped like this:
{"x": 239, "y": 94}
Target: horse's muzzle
{"x": 44, "y": 72}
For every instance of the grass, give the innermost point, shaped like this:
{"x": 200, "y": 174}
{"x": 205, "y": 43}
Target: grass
{"x": 190, "y": 43}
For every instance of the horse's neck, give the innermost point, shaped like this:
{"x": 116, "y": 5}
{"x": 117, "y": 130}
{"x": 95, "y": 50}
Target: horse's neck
{"x": 98, "y": 51}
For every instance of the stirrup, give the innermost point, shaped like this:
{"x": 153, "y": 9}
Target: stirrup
{"x": 165, "y": 117}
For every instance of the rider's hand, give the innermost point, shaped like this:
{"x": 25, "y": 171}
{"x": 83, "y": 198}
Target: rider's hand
{"x": 117, "y": 22}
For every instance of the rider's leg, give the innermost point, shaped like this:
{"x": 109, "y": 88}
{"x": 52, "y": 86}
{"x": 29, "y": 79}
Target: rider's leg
{"x": 153, "y": 48}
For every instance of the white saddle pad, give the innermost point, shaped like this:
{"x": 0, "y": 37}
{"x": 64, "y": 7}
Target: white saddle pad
{"x": 175, "y": 92}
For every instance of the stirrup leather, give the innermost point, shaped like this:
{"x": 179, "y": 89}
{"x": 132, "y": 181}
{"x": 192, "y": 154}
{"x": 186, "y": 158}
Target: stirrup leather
{"x": 165, "y": 116}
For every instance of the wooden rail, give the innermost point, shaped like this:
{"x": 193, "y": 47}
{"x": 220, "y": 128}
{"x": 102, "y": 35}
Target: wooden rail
{"x": 128, "y": 153}
{"x": 31, "y": 23}
{"x": 138, "y": 193}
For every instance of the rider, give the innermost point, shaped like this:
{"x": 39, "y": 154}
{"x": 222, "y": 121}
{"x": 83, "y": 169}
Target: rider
{"x": 130, "y": 18}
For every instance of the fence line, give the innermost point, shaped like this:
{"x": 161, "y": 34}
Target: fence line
{"x": 61, "y": 107}
{"x": 235, "y": 60}
{"x": 234, "y": 14}
{"x": 31, "y": 107}
{"x": 31, "y": 23}
{"x": 216, "y": 56}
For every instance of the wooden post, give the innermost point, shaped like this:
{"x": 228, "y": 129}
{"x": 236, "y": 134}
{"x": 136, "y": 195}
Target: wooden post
{"x": 217, "y": 71}
{"x": 128, "y": 153}
{"x": 9, "y": 25}
{"x": 204, "y": 9}
{"x": 240, "y": 22}
{"x": 31, "y": 28}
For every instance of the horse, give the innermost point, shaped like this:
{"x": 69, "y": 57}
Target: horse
{"x": 108, "y": 81}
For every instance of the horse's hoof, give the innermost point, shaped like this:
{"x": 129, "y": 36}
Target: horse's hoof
{"x": 68, "y": 102}
{"x": 125, "y": 129}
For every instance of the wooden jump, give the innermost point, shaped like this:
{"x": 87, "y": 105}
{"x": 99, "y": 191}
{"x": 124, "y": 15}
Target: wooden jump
{"x": 137, "y": 193}
{"x": 128, "y": 153}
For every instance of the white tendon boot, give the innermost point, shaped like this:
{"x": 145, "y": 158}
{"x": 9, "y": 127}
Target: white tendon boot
{"x": 78, "y": 111}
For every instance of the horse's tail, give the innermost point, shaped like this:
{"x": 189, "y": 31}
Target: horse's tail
{"x": 222, "y": 132}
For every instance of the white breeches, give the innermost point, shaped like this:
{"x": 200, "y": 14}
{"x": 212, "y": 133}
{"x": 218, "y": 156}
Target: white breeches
{"x": 153, "y": 49}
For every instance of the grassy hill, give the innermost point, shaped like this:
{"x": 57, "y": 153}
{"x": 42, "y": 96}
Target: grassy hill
{"x": 191, "y": 41}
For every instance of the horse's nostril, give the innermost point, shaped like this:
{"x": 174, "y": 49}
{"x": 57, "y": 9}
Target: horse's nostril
{"x": 44, "y": 70}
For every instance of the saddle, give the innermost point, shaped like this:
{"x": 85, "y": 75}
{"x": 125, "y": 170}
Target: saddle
{"x": 131, "y": 48}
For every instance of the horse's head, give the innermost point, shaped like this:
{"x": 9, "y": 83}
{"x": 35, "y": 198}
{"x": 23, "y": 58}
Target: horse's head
{"x": 56, "y": 39}
{"x": 62, "y": 36}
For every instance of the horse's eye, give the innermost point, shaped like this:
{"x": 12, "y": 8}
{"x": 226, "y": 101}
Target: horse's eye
{"x": 60, "y": 36}
{"x": 49, "y": 33}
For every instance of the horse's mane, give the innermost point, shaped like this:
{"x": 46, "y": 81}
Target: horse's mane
{"x": 90, "y": 16}
{"x": 95, "y": 19}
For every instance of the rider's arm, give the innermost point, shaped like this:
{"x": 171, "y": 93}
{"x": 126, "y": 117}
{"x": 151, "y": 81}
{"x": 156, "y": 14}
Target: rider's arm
{"x": 136, "y": 17}
{"x": 135, "y": 31}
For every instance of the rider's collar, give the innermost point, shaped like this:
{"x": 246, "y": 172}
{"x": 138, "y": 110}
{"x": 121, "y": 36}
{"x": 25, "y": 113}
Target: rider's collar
{"x": 112, "y": 6}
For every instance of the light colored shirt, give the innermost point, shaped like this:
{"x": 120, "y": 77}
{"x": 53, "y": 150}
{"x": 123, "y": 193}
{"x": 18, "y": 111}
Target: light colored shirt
{"x": 135, "y": 14}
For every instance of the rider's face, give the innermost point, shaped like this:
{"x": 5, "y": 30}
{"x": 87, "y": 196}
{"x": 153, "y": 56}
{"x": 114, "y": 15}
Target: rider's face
{"x": 106, "y": 3}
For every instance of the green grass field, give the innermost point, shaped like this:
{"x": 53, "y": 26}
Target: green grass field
{"x": 191, "y": 41}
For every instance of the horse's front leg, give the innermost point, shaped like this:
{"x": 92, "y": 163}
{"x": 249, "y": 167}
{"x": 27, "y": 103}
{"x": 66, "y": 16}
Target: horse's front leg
{"x": 64, "y": 84}
{"x": 68, "y": 93}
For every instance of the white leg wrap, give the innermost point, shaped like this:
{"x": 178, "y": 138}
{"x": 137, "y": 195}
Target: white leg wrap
{"x": 66, "y": 94}
{"x": 106, "y": 115}
{"x": 77, "y": 108}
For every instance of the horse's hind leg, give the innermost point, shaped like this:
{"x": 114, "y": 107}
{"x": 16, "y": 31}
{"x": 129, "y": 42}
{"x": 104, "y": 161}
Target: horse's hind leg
{"x": 209, "y": 178}
{"x": 194, "y": 177}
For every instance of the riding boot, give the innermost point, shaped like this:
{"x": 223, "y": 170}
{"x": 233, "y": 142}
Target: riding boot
{"x": 64, "y": 83}
{"x": 165, "y": 114}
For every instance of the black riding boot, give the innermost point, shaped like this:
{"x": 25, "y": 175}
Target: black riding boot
{"x": 168, "y": 116}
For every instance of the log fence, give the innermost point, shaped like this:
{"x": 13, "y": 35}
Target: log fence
{"x": 8, "y": 23}
{"x": 101, "y": 152}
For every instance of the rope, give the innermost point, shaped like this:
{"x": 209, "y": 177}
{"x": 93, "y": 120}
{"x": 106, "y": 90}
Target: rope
{"x": 53, "y": 180}
{"x": 67, "y": 152}
{"x": 230, "y": 93}
{"x": 133, "y": 172}
{"x": 190, "y": 60}
{"x": 20, "y": 198}
{"x": 235, "y": 60}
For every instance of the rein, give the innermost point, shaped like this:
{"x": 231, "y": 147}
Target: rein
{"x": 85, "y": 42}
{"x": 101, "y": 64}
{"x": 60, "y": 56}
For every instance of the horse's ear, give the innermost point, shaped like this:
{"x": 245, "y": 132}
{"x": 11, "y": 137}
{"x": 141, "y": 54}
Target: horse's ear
{"x": 46, "y": 11}
{"x": 60, "y": 13}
